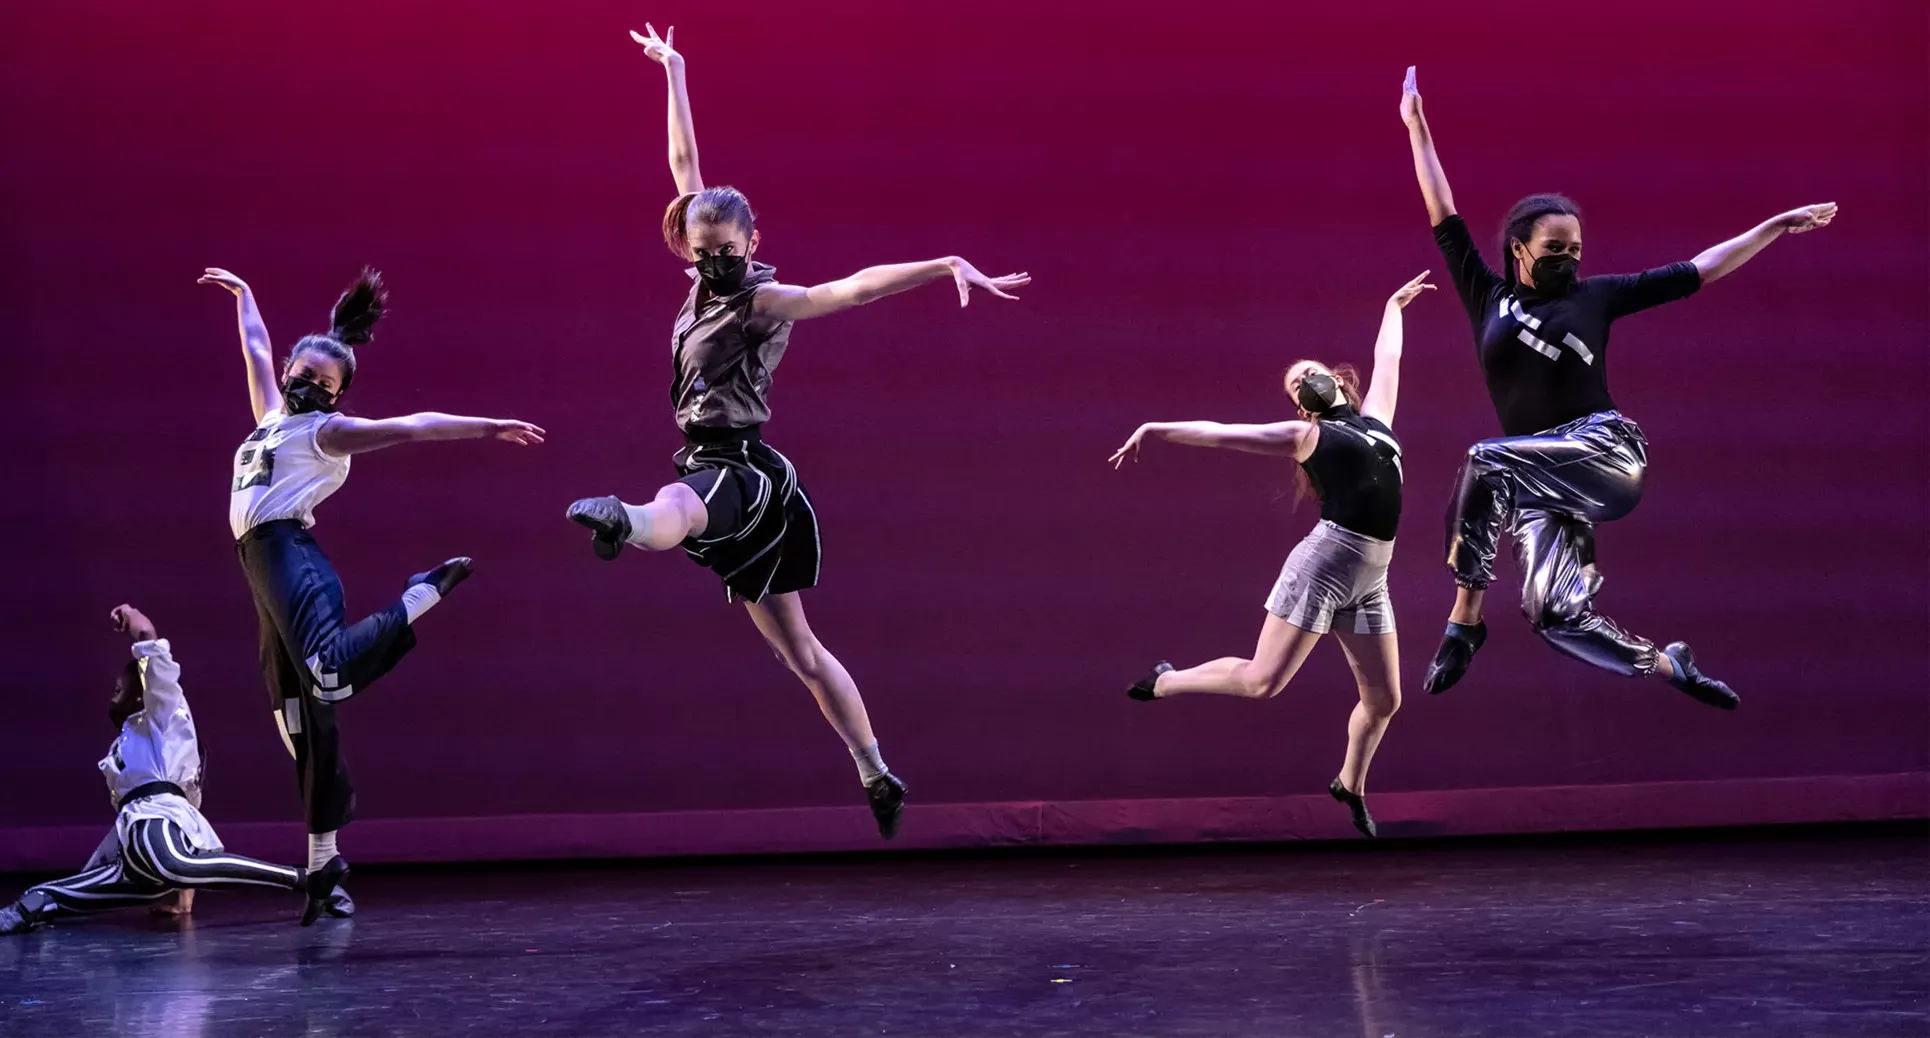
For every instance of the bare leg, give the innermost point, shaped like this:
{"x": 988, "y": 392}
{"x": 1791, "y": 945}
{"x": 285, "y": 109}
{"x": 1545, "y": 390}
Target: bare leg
{"x": 1282, "y": 649}
{"x": 781, "y": 620}
{"x": 1467, "y": 605}
{"x": 676, "y": 513}
{"x": 1376, "y": 661}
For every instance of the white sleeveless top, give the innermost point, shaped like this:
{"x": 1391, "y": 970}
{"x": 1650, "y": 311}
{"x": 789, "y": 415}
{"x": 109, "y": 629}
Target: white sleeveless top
{"x": 282, "y": 473}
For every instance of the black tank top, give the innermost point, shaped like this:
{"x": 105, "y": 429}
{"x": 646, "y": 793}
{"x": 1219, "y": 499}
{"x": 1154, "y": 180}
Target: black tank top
{"x": 1356, "y": 470}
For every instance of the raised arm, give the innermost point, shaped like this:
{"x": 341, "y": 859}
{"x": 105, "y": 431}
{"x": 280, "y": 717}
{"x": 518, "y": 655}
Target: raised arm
{"x": 1427, "y": 164}
{"x": 1384, "y": 386}
{"x": 797, "y": 302}
{"x": 264, "y": 388}
{"x": 343, "y": 435}
{"x": 1284, "y": 439}
{"x": 161, "y": 697}
{"x": 1718, "y": 260}
{"x": 683, "y": 133}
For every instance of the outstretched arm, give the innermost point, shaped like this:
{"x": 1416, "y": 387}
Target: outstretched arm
{"x": 161, "y": 696}
{"x": 1384, "y": 387}
{"x": 797, "y": 302}
{"x": 264, "y": 389}
{"x": 1427, "y": 164}
{"x": 1717, "y": 261}
{"x": 1277, "y": 438}
{"x": 683, "y": 133}
{"x": 343, "y": 435}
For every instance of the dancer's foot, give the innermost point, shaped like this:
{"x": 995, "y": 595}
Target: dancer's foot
{"x": 24, "y": 915}
{"x": 1457, "y": 650}
{"x": 1357, "y": 804}
{"x": 1142, "y": 689}
{"x": 887, "y": 796}
{"x": 320, "y": 885}
{"x": 1694, "y": 682}
{"x": 339, "y": 904}
{"x": 445, "y": 577}
{"x": 609, "y": 524}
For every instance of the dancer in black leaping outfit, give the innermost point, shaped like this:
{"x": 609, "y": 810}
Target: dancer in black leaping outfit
{"x": 162, "y": 843}
{"x": 1335, "y": 579}
{"x": 738, "y": 507}
{"x": 1568, "y": 459}
{"x": 312, "y": 658}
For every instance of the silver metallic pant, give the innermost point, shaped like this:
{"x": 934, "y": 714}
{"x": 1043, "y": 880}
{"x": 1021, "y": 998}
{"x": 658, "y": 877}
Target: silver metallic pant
{"x": 1549, "y": 490}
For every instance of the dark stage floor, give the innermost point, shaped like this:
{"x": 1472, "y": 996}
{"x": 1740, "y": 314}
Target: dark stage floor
{"x": 1827, "y": 934}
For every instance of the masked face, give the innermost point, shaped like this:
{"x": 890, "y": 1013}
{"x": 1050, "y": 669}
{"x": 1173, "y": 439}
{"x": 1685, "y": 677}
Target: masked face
{"x": 1554, "y": 274}
{"x": 127, "y": 695}
{"x": 1318, "y": 392}
{"x": 1552, "y": 254}
{"x": 722, "y": 254}
{"x": 300, "y": 396}
{"x": 723, "y": 275}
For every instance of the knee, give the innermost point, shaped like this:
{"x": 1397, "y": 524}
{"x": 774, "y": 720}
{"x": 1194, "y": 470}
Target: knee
{"x": 808, "y": 660}
{"x": 1380, "y": 703}
{"x": 1547, "y": 616}
{"x": 1259, "y": 684}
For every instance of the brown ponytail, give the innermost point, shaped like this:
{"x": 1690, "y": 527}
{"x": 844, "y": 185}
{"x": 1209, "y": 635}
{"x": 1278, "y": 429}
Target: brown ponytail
{"x": 675, "y": 219}
{"x": 1348, "y": 377}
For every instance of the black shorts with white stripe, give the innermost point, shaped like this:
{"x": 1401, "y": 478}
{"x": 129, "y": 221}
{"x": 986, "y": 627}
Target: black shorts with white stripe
{"x": 762, "y": 537}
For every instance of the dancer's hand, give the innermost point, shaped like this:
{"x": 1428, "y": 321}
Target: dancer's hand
{"x": 660, "y": 50}
{"x": 1400, "y": 299}
{"x": 1131, "y": 448}
{"x": 217, "y": 276}
{"x": 1411, "y": 100}
{"x": 133, "y": 623}
{"x": 967, "y": 277}
{"x": 1808, "y": 218}
{"x": 522, "y": 434}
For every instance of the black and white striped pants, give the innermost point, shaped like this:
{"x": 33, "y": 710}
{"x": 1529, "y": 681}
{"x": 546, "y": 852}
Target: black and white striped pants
{"x": 155, "y": 861}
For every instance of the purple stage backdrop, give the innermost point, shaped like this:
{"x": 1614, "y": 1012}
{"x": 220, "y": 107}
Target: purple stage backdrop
{"x": 1203, "y": 193}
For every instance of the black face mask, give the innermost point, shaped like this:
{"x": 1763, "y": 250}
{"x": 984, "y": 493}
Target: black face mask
{"x": 1554, "y": 273}
{"x": 1318, "y": 393}
{"x": 723, "y": 274}
{"x": 300, "y": 396}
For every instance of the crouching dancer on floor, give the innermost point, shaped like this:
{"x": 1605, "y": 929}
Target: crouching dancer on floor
{"x": 165, "y": 843}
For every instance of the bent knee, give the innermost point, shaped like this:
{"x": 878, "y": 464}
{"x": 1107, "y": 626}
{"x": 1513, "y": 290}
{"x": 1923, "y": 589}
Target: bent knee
{"x": 809, "y": 661}
{"x": 1380, "y": 701}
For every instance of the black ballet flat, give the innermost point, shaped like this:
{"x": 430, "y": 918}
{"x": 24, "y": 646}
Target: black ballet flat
{"x": 445, "y": 577}
{"x": 1357, "y": 804}
{"x": 887, "y": 796}
{"x": 609, "y": 524}
{"x": 1451, "y": 660}
{"x": 1704, "y": 688}
{"x": 320, "y": 885}
{"x": 1142, "y": 689}
{"x": 339, "y": 904}
{"x": 24, "y": 915}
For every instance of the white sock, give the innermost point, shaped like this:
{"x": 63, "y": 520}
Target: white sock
{"x": 321, "y": 847}
{"x": 418, "y": 599}
{"x": 639, "y": 525}
{"x": 871, "y": 763}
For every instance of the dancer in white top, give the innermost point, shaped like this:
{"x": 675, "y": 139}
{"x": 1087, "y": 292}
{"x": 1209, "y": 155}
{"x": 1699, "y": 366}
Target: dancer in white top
{"x": 163, "y": 843}
{"x": 312, "y": 658}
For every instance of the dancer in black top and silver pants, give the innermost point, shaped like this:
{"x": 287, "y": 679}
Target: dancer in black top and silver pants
{"x": 1568, "y": 459}
{"x": 738, "y": 507}
{"x": 161, "y": 843}
{"x": 1336, "y": 579}
{"x": 312, "y": 657}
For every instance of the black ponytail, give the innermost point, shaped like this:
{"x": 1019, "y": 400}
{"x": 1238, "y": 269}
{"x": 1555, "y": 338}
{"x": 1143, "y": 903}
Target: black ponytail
{"x": 1520, "y": 226}
{"x": 351, "y": 324}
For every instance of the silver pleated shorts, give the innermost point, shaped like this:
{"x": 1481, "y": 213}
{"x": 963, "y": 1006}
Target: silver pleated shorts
{"x": 1335, "y": 577}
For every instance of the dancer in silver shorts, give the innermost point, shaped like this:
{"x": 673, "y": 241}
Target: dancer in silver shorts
{"x": 1336, "y": 578}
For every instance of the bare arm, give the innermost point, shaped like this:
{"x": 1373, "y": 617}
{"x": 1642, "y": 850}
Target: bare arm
{"x": 1285, "y": 439}
{"x": 264, "y": 388}
{"x": 798, "y": 303}
{"x": 1384, "y": 387}
{"x": 683, "y": 133}
{"x": 343, "y": 435}
{"x": 1427, "y": 164}
{"x": 1718, "y": 261}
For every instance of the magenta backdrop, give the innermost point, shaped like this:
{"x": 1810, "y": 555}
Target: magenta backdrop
{"x": 1202, "y": 192}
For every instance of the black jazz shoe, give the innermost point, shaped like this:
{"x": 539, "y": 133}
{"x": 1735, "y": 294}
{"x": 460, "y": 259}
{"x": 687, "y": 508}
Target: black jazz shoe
{"x": 445, "y": 577}
{"x": 609, "y": 524}
{"x": 887, "y": 796}
{"x": 26, "y": 914}
{"x": 1142, "y": 689}
{"x": 340, "y": 905}
{"x": 320, "y": 885}
{"x": 1694, "y": 682}
{"x": 1451, "y": 660}
{"x": 1357, "y": 804}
